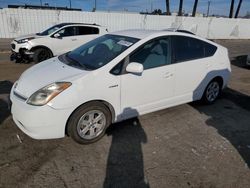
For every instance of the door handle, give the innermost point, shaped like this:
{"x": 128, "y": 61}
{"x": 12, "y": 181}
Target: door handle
{"x": 208, "y": 65}
{"x": 168, "y": 75}
{"x": 73, "y": 39}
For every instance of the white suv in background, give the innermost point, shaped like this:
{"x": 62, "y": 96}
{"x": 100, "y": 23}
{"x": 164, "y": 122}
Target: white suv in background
{"x": 54, "y": 41}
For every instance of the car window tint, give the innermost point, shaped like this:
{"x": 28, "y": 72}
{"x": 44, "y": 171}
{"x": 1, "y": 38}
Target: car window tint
{"x": 153, "y": 54}
{"x": 85, "y": 30}
{"x": 118, "y": 68}
{"x": 50, "y": 30}
{"x": 187, "y": 48}
{"x": 210, "y": 50}
{"x": 67, "y": 31}
{"x": 100, "y": 51}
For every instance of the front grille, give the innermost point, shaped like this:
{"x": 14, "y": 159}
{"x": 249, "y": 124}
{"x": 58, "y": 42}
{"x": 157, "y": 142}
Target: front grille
{"x": 13, "y": 46}
{"x": 20, "y": 96}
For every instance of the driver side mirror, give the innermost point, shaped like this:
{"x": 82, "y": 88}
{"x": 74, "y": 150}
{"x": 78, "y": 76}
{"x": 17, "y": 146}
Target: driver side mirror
{"x": 57, "y": 35}
{"x": 135, "y": 68}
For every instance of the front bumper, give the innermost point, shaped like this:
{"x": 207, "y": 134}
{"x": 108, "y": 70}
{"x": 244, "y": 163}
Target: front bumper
{"x": 43, "y": 122}
{"x": 14, "y": 56}
{"x": 22, "y": 55}
{"x": 21, "y": 51}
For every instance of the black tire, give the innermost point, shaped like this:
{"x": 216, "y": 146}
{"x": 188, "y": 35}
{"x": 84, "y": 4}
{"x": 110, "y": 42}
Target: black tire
{"x": 41, "y": 54}
{"x": 74, "y": 124}
{"x": 19, "y": 60}
{"x": 212, "y": 92}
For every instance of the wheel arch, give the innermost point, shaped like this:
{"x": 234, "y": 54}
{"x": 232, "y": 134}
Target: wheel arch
{"x": 107, "y": 104}
{"x": 217, "y": 78}
{"x": 220, "y": 80}
{"x": 41, "y": 46}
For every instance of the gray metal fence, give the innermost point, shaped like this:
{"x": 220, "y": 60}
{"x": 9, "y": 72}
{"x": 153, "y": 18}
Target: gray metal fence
{"x": 16, "y": 22}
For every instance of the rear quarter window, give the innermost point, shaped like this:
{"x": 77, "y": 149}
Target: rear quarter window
{"x": 209, "y": 49}
{"x": 187, "y": 48}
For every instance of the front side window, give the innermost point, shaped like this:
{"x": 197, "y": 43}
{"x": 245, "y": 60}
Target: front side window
{"x": 117, "y": 70}
{"x": 67, "y": 32}
{"x": 153, "y": 54}
{"x": 50, "y": 30}
{"x": 100, "y": 51}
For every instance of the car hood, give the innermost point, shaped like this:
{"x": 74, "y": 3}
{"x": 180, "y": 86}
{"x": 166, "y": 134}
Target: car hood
{"x": 45, "y": 73}
{"x": 27, "y": 36}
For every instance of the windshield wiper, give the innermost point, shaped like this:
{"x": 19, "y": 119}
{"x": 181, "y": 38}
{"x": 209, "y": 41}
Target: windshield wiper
{"x": 75, "y": 62}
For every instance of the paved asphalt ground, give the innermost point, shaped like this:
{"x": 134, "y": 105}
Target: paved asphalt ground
{"x": 190, "y": 145}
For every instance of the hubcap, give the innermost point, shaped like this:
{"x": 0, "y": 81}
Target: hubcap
{"x": 91, "y": 124}
{"x": 212, "y": 91}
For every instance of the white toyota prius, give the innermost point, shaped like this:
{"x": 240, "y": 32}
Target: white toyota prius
{"x": 115, "y": 77}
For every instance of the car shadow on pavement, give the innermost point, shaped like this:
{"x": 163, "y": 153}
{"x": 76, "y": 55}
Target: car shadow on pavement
{"x": 229, "y": 120}
{"x": 4, "y": 111}
{"x": 237, "y": 98}
{"x": 240, "y": 61}
{"x": 125, "y": 166}
{"x": 5, "y": 87}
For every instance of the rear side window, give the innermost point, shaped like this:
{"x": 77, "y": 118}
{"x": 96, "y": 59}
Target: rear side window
{"x": 187, "y": 48}
{"x": 85, "y": 30}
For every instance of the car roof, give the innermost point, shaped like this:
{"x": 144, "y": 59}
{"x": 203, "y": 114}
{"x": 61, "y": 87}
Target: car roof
{"x": 142, "y": 33}
{"x": 179, "y": 30}
{"x": 136, "y": 33}
{"x": 68, "y": 23}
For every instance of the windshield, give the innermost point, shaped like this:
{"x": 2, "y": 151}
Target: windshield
{"x": 50, "y": 30}
{"x": 100, "y": 51}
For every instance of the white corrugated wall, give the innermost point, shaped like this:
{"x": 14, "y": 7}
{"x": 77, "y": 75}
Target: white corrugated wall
{"x": 16, "y": 22}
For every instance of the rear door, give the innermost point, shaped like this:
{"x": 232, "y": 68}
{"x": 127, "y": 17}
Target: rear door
{"x": 192, "y": 66}
{"x": 85, "y": 34}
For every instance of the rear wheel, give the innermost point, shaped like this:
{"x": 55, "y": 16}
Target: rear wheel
{"x": 41, "y": 54}
{"x": 212, "y": 92}
{"x": 89, "y": 123}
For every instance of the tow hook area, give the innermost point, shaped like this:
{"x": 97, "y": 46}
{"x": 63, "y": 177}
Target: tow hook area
{"x": 24, "y": 56}
{"x": 14, "y": 56}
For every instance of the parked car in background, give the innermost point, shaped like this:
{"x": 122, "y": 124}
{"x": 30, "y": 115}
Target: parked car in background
{"x": 248, "y": 61}
{"x": 115, "y": 77}
{"x": 54, "y": 41}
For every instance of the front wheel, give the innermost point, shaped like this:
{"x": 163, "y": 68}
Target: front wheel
{"x": 212, "y": 92}
{"x": 89, "y": 123}
{"x": 41, "y": 54}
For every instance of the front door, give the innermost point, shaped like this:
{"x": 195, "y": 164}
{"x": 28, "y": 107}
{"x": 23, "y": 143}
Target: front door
{"x": 154, "y": 88}
{"x": 67, "y": 41}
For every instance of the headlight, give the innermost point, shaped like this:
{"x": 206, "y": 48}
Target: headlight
{"x": 25, "y": 40}
{"x": 46, "y": 94}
